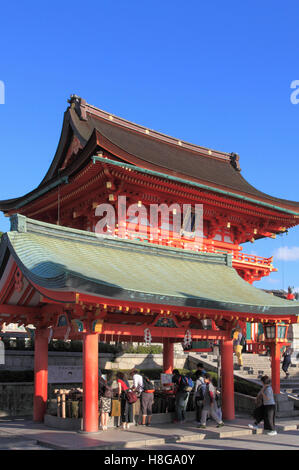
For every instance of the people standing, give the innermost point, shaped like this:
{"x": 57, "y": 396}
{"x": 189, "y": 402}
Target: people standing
{"x": 146, "y": 401}
{"x": 181, "y": 396}
{"x": 266, "y": 408}
{"x": 106, "y": 394}
{"x": 138, "y": 388}
{"x": 198, "y": 395}
{"x": 126, "y": 407}
{"x": 286, "y": 361}
{"x": 209, "y": 404}
{"x": 137, "y": 381}
{"x": 238, "y": 347}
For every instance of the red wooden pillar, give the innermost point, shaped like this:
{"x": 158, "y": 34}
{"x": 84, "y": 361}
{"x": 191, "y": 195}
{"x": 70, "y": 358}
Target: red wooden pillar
{"x": 90, "y": 382}
{"x": 227, "y": 379}
{"x": 40, "y": 374}
{"x": 275, "y": 367}
{"x": 168, "y": 356}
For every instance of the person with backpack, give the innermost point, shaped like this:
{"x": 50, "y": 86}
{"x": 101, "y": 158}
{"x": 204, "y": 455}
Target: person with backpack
{"x": 183, "y": 387}
{"x": 147, "y": 400}
{"x": 126, "y": 404}
{"x": 210, "y": 406}
{"x": 265, "y": 410}
{"x": 106, "y": 394}
{"x": 198, "y": 395}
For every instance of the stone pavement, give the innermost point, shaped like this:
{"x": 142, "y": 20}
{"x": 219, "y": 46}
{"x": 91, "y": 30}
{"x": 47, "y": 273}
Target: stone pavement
{"x": 23, "y": 432}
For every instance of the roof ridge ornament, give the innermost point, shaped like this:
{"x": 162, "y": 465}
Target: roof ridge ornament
{"x": 79, "y": 105}
{"x": 234, "y": 161}
{"x": 18, "y": 223}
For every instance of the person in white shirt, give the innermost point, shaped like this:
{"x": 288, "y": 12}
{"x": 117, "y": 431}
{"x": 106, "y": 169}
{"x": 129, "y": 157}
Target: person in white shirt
{"x": 137, "y": 381}
{"x": 138, "y": 388}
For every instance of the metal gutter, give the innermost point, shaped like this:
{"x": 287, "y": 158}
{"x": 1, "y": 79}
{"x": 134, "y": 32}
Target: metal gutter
{"x": 40, "y": 192}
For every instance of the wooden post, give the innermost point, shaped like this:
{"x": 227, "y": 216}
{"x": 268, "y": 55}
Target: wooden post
{"x": 40, "y": 374}
{"x": 227, "y": 380}
{"x": 90, "y": 382}
{"x": 168, "y": 356}
{"x": 275, "y": 367}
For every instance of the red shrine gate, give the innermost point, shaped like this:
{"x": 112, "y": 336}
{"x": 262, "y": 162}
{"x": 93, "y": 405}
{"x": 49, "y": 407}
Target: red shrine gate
{"x": 124, "y": 285}
{"x": 68, "y": 284}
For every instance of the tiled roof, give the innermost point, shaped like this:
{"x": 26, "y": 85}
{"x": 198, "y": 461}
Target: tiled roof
{"x": 61, "y": 259}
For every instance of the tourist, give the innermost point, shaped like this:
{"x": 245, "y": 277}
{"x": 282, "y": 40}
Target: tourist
{"x": 267, "y": 409}
{"x": 198, "y": 395}
{"x": 106, "y": 394}
{"x": 218, "y": 398}
{"x": 138, "y": 389}
{"x": 286, "y": 360}
{"x": 258, "y": 412}
{"x": 238, "y": 347}
{"x": 201, "y": 369}
{"x": 209, "y": 404}
{"x": 181, "y": 396}
{"x": 126, "y": 407}
{"x": 137, "y": 381}
{"x": 147, "y": 400}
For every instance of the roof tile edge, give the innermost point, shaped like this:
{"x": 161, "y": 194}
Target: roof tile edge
{"x": 23, "y": 224}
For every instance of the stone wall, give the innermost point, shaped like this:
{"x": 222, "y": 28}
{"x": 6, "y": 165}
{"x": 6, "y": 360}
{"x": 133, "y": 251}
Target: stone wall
{"x": 16, "y": 399}
{"x": 24, "y": 360}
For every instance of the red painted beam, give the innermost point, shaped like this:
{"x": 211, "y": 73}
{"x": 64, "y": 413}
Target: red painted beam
{"x": 18, "y": 310}
{"x": 160, "y": 332}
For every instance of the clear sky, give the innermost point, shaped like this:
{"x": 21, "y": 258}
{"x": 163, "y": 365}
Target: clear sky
{"x": 217, "y": 74}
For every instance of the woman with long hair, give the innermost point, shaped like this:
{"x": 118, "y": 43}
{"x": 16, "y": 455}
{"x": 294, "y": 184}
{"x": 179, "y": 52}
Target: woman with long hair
{"x": 126, "y": 407}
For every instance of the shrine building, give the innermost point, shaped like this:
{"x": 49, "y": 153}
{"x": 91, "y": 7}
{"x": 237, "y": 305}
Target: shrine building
{"x": 58, "y": 274}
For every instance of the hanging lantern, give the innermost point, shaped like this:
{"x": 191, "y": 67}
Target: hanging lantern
{"x": 147, "y": 336}
{"x": 187, "y": 340}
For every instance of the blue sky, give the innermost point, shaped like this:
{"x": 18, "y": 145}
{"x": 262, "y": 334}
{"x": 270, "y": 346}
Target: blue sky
{"x": 214, "y": 73}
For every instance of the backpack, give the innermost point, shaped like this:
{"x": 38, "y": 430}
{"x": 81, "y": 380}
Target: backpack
{"x": 243, "y": 341}
{"x": 108, "y": 391}
{"x": 147, "y": 384}
{"x": 201, "y": 393}
{"x": 186, "y": 384}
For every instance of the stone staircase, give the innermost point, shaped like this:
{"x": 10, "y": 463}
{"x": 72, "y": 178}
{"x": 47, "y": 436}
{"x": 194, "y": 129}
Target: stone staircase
{"x": 254, "y": 366}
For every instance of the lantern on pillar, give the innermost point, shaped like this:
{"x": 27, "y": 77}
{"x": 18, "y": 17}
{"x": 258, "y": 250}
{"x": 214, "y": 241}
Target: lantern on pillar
{"x": 275, "y": 337}
{"x": 275, "y": 332}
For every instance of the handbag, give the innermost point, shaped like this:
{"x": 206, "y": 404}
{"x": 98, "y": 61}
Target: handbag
{"x": 115, "y": 407}
{"x": 131, "y": 396}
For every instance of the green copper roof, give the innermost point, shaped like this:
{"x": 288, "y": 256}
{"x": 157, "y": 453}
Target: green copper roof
{"x": 60, "y": 258}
